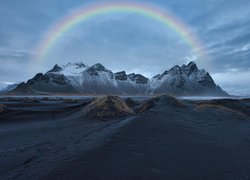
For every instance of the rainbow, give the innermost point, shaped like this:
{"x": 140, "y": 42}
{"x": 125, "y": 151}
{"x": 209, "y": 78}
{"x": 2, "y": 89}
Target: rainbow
{"x": 85, "y": 13}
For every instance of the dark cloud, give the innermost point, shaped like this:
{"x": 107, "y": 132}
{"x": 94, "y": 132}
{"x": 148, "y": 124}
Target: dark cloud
{"x": 241, "y": 39}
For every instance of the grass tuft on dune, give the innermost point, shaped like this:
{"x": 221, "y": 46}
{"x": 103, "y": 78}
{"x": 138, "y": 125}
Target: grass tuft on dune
{"x": 229, "y": 105}
{"x": 218, "y": 107}
{"x": 107, "y": 107}
{"x": 3, "y": 108}
{"x": 162, "y": 100}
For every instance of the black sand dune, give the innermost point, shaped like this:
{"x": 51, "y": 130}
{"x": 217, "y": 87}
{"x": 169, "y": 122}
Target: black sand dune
{"x": 238, "y": 106}
{"x": 165, "y": 139}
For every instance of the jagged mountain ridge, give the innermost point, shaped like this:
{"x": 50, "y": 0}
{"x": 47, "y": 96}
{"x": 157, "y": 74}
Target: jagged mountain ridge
{"x": 97, "y": 79}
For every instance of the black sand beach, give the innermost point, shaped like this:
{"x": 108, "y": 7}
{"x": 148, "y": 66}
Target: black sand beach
{"x": 52, "y": 139}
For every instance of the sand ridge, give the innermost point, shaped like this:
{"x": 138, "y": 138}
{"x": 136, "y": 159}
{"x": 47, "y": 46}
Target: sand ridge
{"x": 53, "y": 139}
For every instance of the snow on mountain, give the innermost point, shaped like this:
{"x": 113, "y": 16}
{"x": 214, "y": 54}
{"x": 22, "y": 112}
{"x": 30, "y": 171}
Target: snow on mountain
{"x": 96, "y": 79}
{"x": 185, "y": 80}
{"x": 71, "y": 69}
{"x": 131, "y": 83}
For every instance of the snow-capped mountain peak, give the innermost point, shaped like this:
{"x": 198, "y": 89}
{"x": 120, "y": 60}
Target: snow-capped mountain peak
{"x": 121, "y": 76}
{"x": 71, "y": 69}
{"x": 97, "y": 79}
{"x": 97, "y": 68}
{"x": 55, "y": 69}
{"x": 190, "y": 68}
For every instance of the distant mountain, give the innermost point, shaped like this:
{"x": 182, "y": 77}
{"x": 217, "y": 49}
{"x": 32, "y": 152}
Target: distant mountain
{"x": 185, "y": 80}
{"x": 9, "y": 88}
{"x": 80, "y": 78}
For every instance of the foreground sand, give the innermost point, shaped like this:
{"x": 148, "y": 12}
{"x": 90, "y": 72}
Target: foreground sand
{"x": 51, "y": 139}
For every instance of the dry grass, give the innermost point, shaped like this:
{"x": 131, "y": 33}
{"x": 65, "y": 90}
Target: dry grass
{"x": 239, "y": 106}
{"x": 146, "y": 106}
{"x": 3, "y": 108}
{"x": 163, "y": 100}
{"x": 218, "y": 107}
{"x": 107, "y": 107}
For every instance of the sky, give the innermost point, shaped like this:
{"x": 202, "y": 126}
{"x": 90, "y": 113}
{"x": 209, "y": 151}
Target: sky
{"x": 128, "y": 41}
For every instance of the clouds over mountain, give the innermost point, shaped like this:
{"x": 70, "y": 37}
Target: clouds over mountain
{"x": 125, "y": 41}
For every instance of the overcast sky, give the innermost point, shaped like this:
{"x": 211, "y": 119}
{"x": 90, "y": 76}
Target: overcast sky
{"x": 127, "y": 41}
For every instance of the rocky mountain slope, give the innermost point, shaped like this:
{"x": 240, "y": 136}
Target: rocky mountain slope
{"x": 96, "y": 79}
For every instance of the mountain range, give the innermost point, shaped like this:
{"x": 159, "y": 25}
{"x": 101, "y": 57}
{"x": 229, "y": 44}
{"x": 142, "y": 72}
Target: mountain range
{"x": 78, "y": 78}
